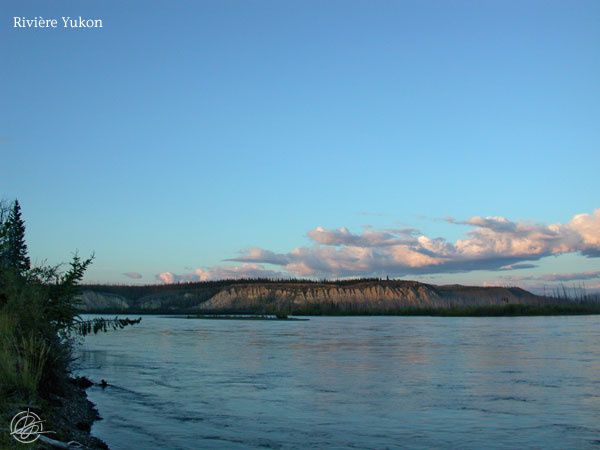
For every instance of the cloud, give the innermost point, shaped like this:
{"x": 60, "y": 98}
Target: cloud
{"x": 255, "y": 254}
{"x": 221, "y": 273}
{"x": 496, "y": 223}
{"x": 369, "y": 237}
{"x": 168, "y": 277}
{"x": 563, "y": 277}
{"x": 587, "y": 226}
{"x": 554, "y": 277}
{"x": 550, "y": 283}
{"x": 134, "y": 275}
{"x": 492, "y": 243}
{"x": 518, "y": 266}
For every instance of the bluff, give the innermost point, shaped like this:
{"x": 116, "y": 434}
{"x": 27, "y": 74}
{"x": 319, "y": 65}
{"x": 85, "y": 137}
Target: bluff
{"x": 297, "y": 297}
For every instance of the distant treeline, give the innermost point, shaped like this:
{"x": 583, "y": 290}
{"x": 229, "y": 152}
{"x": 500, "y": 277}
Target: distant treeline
{"x": 574, "y": 294}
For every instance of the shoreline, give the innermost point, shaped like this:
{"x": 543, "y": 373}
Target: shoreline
{"x": 72, "y": 416}
{"x": 509, "y": 310}
{"x": 67, "y": 416}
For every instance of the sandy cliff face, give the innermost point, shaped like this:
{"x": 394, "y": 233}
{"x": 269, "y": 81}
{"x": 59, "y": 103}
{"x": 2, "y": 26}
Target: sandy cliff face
{"x": 302, "y": 295}
{"x": 375, "y": 296}
{"x": 97, "y": 301}
{"x": 165, "y": 299}
{"x": 299, "y": 297}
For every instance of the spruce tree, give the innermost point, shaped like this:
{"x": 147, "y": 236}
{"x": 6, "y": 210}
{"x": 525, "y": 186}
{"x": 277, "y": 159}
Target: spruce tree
{"x": 4, "y": 209}
{"x": 14, "y": 247}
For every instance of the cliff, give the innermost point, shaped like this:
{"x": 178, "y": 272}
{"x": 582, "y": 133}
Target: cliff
{"x": 298, "y": 297}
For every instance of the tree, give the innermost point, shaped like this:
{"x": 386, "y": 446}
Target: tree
{"x": 39, "y": 321}
{"x": 4, "y": 210}
{"x": 13, "y": 248}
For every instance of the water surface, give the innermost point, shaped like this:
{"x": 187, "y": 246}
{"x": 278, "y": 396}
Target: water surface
{"x": 349, "y": 382}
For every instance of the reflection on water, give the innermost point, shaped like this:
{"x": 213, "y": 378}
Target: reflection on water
{"x": 352, "y": 382}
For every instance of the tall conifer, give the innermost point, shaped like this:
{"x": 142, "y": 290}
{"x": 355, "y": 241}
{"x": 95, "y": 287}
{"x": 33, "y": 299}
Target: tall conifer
{"x": 14, "y": 247}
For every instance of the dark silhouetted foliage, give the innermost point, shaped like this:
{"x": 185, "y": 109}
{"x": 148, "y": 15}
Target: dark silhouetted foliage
{"x": 13, "y": 248}
{"x": 93, "y": 326}
{"x": 39, "y": 318}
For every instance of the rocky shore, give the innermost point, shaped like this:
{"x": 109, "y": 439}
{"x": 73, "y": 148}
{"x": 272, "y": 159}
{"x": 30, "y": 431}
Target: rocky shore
{"x": 71, "y": 416}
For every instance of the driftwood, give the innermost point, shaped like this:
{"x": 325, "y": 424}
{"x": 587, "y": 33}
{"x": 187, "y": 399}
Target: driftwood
{"x": 59, "y": 444}
{"x": 54, "y": 443}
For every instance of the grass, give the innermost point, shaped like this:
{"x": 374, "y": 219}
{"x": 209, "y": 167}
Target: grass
{"x": 22, "y": 360}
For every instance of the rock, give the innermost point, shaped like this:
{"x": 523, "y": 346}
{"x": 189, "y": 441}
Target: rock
{"x": 82, "y": 382}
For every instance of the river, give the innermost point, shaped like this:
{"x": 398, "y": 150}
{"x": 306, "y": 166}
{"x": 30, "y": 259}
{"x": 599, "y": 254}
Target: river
{"x": 348, "y": 382}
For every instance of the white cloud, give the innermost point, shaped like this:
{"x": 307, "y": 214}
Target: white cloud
{"x": 587, "y": 227}
{"x": 493, "y": 243}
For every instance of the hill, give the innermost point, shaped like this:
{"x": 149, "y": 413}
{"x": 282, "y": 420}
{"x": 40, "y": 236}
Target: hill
{"x": 369, "y": 296}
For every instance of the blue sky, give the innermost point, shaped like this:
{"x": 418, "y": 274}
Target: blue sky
{"x": 182, "y": 134}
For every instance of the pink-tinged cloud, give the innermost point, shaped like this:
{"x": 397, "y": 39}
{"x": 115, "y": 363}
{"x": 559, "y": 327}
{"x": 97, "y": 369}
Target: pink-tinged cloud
{"x": 221, "y": 273}
{"x": 587, "y": 226}
{"x": 493, "y": 243}
{"x": 167, "y": 277}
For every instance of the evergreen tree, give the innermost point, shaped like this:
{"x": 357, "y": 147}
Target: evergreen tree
{"x": 13, "y": 248}
{"x": 4, "y": 209}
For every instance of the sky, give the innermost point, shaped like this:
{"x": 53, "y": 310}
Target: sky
{"x": 443, "y": 141}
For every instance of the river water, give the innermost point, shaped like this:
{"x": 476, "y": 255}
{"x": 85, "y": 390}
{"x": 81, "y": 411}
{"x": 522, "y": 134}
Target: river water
{"x": 348, "y": 382}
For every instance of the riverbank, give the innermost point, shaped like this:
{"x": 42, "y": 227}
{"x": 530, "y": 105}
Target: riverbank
{"x": 550, "y": 309}
{"x": 73, "y": 415}
{"x": 573, "y": 309}
{"x": 67, "y": 417}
